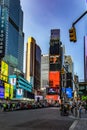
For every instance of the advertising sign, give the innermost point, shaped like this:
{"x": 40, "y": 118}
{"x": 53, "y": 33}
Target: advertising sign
{"x": 52, "y": 97}
{"x": 12, "y": 81}
{"x": 19, "y": 93}
{"x": 69, "y": 92}
{"x": 11, "y": 91}
{"x": 7, "y": 90}
{"x": 55, "y": 34}
{"x": 4, "y": 71}
{"x": 54, "y": 79}
{"x": 52, "y": 91}
{"x": 1, "y": 91}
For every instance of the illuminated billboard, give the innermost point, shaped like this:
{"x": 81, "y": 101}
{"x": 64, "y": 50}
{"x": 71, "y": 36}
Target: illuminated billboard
{"x": 54, "y": 63}
{"x": 1, "y": 91}
{"x": 52, "y": 91}
{"x": 11, "y": 91}
{"x": 12, "y": 80}
{"x": 69, "y": 92}
{"x": 7, "y": 90}
{"x": 54, "y": 79}
{"x": 19, "y": 93}
{"x": 52, "y": 97}
{"x": 4, "y": 71}
{"x": 55, "y": 34}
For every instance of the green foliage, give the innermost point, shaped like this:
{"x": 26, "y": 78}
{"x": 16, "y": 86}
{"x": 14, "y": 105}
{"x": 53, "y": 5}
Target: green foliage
{"x": 84, "y": 98}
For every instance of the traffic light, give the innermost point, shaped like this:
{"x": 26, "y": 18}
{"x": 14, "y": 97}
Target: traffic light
{"x": 72, "y": 34}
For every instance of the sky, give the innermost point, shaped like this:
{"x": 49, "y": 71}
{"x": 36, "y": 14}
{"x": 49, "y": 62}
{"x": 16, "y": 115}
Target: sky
{"x": 40, "y": 16}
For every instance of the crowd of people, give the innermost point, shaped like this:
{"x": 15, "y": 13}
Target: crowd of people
{"x": 73, "y": 107}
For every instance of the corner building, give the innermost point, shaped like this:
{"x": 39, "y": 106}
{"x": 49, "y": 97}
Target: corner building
{"x": 14, "y": 36}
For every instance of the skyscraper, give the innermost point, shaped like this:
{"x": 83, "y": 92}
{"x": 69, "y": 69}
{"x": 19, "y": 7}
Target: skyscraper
{"x": 55, "y": 64}
{"x": 14, "y": 36}
{"x": 33, "y": 63}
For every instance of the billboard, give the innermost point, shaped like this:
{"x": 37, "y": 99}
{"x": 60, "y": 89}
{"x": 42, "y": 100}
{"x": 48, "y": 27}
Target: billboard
{"x": 12, "y": 80}
{"x": 7, "y": 90}
{"x": 69, "y": 92}
{"x": 19, "y": 93}
{"x": 55, "y": 62}
{"x": 52, "y": 91}
{"x": 52, "y": 97}
{"x": 54, "y": 79}
{"x": 11, "y": 91}
{"x": 55, "y": 34}
{"x": 1, "y": 91}
{"x": 4, "y": 71}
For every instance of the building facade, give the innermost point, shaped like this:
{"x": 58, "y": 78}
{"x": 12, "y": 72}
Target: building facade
{"x": 55, "y": 64}
{"x": 67, "y": 78}
{"x": 14, "y": 37}
{"x": 33, "y": 63}
{"x": 44, "y": 71}
{"x": 22, "y": 89}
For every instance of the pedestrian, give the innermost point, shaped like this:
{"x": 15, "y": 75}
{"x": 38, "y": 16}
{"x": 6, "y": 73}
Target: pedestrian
{"x": 85, "y": 107}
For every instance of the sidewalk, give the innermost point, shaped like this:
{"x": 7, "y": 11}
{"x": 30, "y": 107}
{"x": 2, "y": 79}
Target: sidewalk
{"x": 79, "y": 123}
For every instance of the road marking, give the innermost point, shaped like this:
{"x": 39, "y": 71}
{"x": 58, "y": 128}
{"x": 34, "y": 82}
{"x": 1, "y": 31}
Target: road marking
{"x": 73, "y": 125}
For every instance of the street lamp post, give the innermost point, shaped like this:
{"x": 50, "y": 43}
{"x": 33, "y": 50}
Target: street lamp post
{"x": 72, "y": 31}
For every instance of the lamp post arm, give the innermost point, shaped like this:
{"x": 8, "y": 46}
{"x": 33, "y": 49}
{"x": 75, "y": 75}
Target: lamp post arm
{"x": 79, "y": 18}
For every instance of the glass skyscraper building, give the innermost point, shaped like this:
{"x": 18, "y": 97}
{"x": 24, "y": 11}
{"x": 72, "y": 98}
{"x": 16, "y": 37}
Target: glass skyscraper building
{"x": 14, "y": 36}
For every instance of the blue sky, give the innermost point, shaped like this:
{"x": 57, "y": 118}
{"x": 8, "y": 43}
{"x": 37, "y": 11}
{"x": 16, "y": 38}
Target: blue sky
{"x": 40, "y": 16}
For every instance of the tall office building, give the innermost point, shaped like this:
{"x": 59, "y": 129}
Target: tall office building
{"x": 13, "y": 36}
{"x": 44, "y": 71}
{"x": 55, "y": 64}
{"x": 33, "y": 63}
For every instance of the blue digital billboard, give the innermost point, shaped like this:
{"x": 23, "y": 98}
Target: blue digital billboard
{"x": 1, "y": 91}
{"x": 69, "y": 92}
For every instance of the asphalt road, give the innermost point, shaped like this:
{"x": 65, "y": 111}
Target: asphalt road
{"x": 36, "y": 119}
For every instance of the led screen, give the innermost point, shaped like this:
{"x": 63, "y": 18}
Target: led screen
{"x": 7, "y": 90}
{"x": 1, "y": 91}
{"x": 52, "y": 91}
{"x": 19, "y": 93}
{"x": 4, "y": 71}
{"x": 52, "y": 97}
{"x": 54, "y": 79}
{"x": 69, "y": 92}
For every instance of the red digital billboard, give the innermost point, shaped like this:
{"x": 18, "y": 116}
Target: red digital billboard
{"x": 52, "y": 97}
{"x": 54, "y": 79}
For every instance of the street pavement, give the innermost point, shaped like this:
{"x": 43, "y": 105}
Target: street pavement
{"x": 36, "y": 119}
{"x": 79, "y": 123}
{"x": 41, "y": 119}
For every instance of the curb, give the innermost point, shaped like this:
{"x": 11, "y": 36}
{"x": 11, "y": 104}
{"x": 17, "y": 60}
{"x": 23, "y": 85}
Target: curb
{"x": 73, "y": 125}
